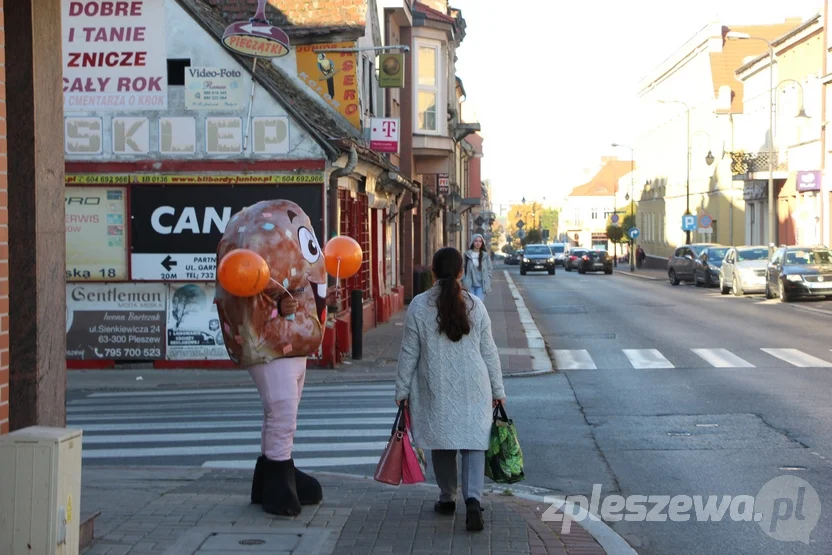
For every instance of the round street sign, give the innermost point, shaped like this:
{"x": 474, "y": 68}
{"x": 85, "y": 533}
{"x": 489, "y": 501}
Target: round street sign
{"x": 633, "y": 233}
{"x": 614, "y": 219}
{"x": 705, "y": 220}
{"x": 255, "y": 37}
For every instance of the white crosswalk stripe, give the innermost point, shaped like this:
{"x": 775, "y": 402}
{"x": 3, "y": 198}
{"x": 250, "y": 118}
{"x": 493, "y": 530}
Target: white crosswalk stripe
{"x": 722, "y": 358}
{"x": 582, "y": 359}
{"x": 338, "y": 426}
{"x": 573, "y": 360}
{"x": 647, "y": 358}
{"x": 798, "y": 358}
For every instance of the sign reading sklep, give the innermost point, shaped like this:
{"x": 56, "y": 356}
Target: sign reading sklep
{"x": 96, "y": 244}
{"x": 214, "y": 88}
{"x": 384, "y": 134}
{"x": 114, "y": 55}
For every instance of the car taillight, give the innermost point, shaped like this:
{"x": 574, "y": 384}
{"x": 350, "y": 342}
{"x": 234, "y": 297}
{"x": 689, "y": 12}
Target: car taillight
{"x": 573, "y": 258}
{"x": 586, "y": 258}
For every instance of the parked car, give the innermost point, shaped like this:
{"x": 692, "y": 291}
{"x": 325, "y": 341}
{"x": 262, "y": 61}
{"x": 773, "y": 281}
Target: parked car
{"x": 799, "y": 272}
{"x": 573, "y": 259}
{"x": 744, "y": 270}
{"x": 596, "y": 261}
{"x": 515, "y": 258}
{"x": 707, "y": 265}
{"x": 559, "y": 250}
{"x": 680, "y": 266}
{"x": 537, "y": 258}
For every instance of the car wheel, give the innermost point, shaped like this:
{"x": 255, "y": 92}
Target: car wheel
{"x": 722, "y": 288}
{"x": 522, "y": 271}
{"x": 696, "y": 281}
{"x": 784, "y": 297}
{"x": 768, "y": 290}
{"x": 708, "y": 280}
{"x": 737, "y": 287}
{"x": 674, "y": 279}
{"x": 552, "y": 272}
{"x": 608, "y": 272}
{"x": 567, "y": 268}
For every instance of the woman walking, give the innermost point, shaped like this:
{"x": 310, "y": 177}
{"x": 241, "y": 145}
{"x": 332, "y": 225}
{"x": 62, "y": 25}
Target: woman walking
{"x": 449, "y": 376}
{"x": 478, "y": 268}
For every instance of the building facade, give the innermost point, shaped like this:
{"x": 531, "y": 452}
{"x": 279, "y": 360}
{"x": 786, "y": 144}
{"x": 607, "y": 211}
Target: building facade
{"x": 796, "y": 140}
{"x": 689, "y": 104}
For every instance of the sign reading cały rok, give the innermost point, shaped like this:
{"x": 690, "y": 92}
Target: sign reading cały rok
{"x": 176, "y": 230}
{"x": 96, "y": 240}
{"x": 193, "y": 324}
{"x": 114, "y": 55}
{"x": 333, "y": 76}
{"x": 115, "y": 321}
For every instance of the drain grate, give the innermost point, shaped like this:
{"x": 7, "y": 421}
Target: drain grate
{"x": 252, "y": 542}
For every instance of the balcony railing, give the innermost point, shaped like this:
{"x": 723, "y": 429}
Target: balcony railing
{"x": 752, "y": 162}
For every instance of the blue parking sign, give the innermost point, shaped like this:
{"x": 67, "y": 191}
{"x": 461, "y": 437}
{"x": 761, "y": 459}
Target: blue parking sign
{"x": 688, "y": 222}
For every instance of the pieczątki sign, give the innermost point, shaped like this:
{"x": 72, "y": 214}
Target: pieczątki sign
{"x": 256, "y": 37}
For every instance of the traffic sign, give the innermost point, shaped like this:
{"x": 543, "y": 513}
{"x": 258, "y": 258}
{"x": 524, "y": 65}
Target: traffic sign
{"x": 705, "y": 220}
{"x": 633, "y": 233}
{"x": 520, "y": 224}
{"x": 614, "y": 218}
{"x": 688, "y": 222}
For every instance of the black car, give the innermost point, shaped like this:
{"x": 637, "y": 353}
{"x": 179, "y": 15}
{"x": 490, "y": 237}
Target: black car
{"x": 706, "y": 267}
{"x": 595, "y": 261}
{"x": 573, "y": 259}
{"x": 799, "y": 272}
{"x": 537, "y": 258}
{"x": 514, "y": 258}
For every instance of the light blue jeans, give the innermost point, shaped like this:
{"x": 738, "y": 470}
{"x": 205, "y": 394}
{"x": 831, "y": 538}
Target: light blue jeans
{"x": 478, "y": 292}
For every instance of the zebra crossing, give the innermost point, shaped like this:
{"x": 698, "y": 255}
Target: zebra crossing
{"x": 339, "y": 426}
{"x": 582, "y": 359}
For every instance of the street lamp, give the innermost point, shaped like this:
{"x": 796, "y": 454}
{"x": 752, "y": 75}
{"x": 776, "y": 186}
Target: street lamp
{"x": 687, "y": 179}
{"x": 709, "y": 158}
{"x": 632, "y": 202}
{"x": 736, "y": 35}
{"x": 801, "y": 113}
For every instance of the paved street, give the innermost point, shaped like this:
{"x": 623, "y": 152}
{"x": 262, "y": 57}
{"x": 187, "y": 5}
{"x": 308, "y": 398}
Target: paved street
{"x": 677, "y": 390}
{"x": 340, "y": 427}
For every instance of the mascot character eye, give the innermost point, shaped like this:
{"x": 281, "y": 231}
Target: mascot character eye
{"x": 309, "y": 245}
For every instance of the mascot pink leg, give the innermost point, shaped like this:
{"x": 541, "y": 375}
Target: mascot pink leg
{"x": 270, "y": 298}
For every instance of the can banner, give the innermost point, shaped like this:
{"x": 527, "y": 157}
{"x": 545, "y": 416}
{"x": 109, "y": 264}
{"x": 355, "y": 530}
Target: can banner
{"x": 193, "y": 326}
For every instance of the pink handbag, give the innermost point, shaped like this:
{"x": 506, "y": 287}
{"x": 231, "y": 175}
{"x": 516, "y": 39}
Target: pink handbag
{"x": 389, "y": 469}
{"x": 413, "y": 469}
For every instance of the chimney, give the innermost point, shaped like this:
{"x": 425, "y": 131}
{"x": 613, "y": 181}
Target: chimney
{"x": 439, "y": 5}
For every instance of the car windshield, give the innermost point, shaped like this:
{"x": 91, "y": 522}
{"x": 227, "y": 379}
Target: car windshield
{"x": 716, "y": 254}
{"x": 806, "y": 257}
{"x": 699, "y": 249}
{"x": 538, "y": 251}
{"x": 752, "y": 254}
{"x": 557, "y": 249}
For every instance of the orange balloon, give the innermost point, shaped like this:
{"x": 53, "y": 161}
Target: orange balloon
{"x": 243, "y": 273}
{"x": 345, "y": 250}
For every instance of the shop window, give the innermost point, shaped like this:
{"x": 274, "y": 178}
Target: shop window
{"x": 176, "y": 70}
{"x": 355, "y": 223}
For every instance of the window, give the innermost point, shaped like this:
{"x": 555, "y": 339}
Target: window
{"x": 427, "y": 88}
{"x": 594, "y": 213}
{"x": 176, "y": 70}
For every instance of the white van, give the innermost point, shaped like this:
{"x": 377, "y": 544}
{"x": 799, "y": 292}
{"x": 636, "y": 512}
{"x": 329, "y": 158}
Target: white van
{"x": 559, "y": 250}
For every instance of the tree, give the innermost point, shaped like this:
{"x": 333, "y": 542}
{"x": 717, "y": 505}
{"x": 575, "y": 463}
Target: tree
{"x": 549, "y": 220}
{"x": 187, "y": 300}
{"x": 532, "y": 236}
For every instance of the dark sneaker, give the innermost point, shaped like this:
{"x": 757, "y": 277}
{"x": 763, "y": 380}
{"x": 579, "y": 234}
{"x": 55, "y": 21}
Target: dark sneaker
{"x": 473, "y": 515}
{"x": 445, "y": 507}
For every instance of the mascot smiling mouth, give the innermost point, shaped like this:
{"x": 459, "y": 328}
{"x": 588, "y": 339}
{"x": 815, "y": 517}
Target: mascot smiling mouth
{"x": 319, "y": 292}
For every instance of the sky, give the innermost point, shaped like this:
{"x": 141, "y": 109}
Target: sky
{"x": 554, "y": 84}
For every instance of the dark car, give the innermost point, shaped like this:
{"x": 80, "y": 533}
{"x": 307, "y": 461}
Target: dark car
{"x": 595, "y": 261}
{"x": 706, "y": 267}
{"x": 537, "y": 258}
{"x": 514, "y": 258}
{"x": 573, "y": 259}
{"x": 799, "y": 272}
{"x": 680, "y": 266}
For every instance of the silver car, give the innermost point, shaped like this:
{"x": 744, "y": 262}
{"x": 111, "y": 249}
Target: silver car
{"x": 744, "y": 271}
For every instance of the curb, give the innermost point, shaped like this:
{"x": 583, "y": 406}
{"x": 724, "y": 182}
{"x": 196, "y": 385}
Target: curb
{"x": 638, "y": 276}
{"x": 606, "y": 537}
{"x": 529, "y": 374}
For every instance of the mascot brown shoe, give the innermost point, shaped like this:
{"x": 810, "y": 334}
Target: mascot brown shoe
{"x": 257, "y": 481}
{"x": 280, "y": 495}
{"x": 309, "y": 489}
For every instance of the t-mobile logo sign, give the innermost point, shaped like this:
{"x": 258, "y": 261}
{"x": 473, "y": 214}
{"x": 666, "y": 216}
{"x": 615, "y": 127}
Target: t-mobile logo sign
{"x": 384, "y": 134}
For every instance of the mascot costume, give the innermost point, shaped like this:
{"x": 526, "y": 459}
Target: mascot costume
{"x": 270, "y": 295}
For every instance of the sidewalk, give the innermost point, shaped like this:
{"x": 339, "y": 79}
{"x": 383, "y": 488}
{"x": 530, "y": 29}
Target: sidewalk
{"x": 522, "y": 353}
{"x": 185, "y": 511}
{"x": 643, "y": 273}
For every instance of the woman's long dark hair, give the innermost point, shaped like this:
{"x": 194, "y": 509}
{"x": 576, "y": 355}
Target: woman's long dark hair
{"x": 452, "y": 304}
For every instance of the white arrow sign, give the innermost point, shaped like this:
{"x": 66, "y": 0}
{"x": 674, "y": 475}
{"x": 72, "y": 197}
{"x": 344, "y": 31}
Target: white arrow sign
{"x": 267, "y": 30}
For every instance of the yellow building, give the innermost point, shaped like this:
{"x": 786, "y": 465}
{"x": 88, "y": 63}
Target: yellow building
{"x": 688, "y": 105}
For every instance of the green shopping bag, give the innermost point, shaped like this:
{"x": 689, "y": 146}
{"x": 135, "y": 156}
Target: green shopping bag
{"x": 504, "y": 458}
